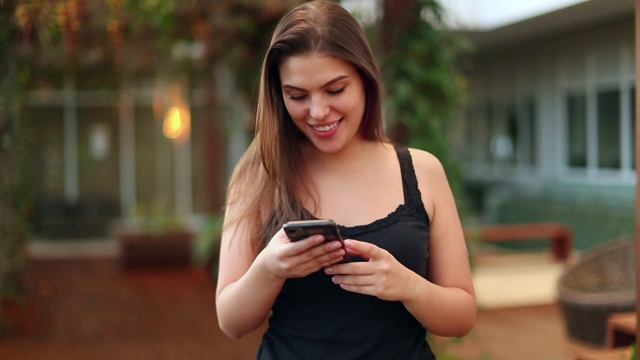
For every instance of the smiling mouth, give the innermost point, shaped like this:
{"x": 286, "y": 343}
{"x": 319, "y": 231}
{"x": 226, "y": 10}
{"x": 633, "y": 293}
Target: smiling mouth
{"x": 326, "y": 128}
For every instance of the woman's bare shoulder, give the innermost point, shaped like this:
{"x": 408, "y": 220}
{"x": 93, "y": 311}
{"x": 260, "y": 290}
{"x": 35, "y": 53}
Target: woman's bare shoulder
{"x": 425, "y": 162}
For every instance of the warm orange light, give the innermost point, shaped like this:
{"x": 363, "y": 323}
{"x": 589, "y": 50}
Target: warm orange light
{"x": 174, "y": 123}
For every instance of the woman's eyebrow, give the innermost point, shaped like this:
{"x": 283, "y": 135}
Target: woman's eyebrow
{"x": 328, "y": 83}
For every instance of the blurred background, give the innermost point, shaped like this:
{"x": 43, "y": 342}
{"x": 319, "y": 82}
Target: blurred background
{"x": 121, "y": 120}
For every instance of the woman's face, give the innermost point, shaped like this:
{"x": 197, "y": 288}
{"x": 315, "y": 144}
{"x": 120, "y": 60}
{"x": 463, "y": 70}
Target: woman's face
{"x": 325, "y": 98}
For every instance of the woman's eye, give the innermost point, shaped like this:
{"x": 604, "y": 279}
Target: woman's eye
{"x": 336, "y": 91}
{"x": 296, "y": 97}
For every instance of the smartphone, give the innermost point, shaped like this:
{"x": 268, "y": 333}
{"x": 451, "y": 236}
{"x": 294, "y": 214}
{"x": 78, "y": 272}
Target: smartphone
{"x": 302, "y": 229}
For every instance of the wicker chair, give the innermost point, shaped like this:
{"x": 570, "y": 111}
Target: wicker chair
{"x": 602, "y": 282}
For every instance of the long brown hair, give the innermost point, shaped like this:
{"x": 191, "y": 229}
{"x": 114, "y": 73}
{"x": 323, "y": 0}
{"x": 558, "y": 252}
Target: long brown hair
{"x": 266, "y": 185}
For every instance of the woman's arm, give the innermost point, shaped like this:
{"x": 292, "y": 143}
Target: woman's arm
{"x": 446, "y": 303}
{"x": 245, "y": 290}
{"x": 249, "y": 281}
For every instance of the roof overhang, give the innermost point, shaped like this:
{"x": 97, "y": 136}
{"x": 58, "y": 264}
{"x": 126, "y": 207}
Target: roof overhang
{"x": 586, "y": 14}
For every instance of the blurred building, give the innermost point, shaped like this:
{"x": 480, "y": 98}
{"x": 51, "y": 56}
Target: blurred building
{"x": 100, "y": 157}
{"x": 548, "y": 133}
{"x": 135, "y": 116}
{"x": 550, "y": 129}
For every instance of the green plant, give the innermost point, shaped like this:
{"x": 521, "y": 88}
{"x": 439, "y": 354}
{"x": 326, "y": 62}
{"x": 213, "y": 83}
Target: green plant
{"x": 206, "y": 247}
{"x": 154, "y": 217}
{"x": 14, "y": 195}
{"x": 447, "y": 348}
{"x": 423, "y": 81}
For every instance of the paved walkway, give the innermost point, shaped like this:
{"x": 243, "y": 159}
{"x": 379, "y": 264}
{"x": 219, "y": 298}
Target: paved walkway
{"x": 83, "y": 305}
{"x": 94, "y": 309}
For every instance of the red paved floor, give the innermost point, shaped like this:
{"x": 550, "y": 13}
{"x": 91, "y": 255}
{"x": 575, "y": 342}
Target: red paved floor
{"x": 94, "y": 309}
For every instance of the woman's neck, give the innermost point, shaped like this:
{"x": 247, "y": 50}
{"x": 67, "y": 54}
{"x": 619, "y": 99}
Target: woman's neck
{"x": 357, "y": 152}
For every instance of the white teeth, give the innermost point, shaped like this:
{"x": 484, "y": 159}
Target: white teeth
{"x": 326, "y": 127}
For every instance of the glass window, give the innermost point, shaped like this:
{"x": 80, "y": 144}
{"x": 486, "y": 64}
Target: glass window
{"x": 577, "y": 129}
{"x": 203, "y": 160}
{"x": 488, "y": 131}
{"x": 633, "y": 127}
{"x": 98, "y": 154}
{"x": 512, "y": 131}
{"x": 469, "y": 139}
{"x": 609, "y": 154}
{"x": 530, "y": 153}
{"x": 503, "y": 133}
{"x": 471, "y": 135}
{"x": 45, "y": 153}
{"x": 154, "y": 161}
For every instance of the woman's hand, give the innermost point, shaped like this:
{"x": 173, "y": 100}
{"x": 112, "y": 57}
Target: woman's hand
{"x": 286, "y": 259}
{"x": 382, "y": 276}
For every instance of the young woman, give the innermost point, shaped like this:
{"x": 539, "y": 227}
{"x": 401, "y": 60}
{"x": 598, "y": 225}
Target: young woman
{"x": 320, "y": 153}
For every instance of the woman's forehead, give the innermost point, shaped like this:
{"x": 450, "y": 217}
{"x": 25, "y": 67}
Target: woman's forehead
{"x": 315, "y": 69}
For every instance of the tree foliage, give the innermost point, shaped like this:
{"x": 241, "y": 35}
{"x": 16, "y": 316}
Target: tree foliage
{"x": 422, "y": 79}
{"x": 144, "y": 36}
{"x": 13, "y": 188}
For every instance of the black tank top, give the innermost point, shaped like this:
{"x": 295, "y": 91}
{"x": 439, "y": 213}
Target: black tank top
{"x": 314, "y": 319}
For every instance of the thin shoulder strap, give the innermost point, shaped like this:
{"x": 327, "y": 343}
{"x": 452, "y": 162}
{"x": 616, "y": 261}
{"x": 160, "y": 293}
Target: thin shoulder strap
{"x": 412, "y": 195}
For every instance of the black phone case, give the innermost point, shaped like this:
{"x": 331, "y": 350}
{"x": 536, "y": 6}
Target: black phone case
{"x": 302, "y": 229}
{"x": 298, "y": 230}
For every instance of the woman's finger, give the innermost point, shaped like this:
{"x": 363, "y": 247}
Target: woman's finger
{"x": 365, "y": 250}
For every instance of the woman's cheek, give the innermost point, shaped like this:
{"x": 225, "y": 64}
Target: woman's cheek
{"x": 297, "y": 114}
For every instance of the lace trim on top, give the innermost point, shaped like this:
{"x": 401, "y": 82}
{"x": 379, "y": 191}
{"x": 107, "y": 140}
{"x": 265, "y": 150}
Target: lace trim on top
{"x": 412, "y": 200}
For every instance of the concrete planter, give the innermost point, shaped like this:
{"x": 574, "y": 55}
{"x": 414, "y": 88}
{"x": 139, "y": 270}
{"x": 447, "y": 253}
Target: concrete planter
{"x": 146, "y": 249}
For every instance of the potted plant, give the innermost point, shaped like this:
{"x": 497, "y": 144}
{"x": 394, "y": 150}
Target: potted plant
{"x": 206, "y": 249}
{"x": 154, "y": 238}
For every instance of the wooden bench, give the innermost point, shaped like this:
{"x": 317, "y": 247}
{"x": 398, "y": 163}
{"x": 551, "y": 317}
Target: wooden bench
{"x": 559, "y": 235}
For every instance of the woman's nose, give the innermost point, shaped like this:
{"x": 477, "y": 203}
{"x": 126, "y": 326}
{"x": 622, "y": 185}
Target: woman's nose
{"x": 318, "y": 109}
